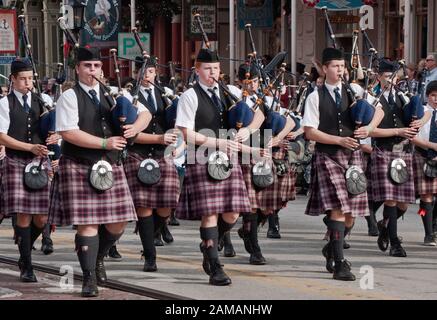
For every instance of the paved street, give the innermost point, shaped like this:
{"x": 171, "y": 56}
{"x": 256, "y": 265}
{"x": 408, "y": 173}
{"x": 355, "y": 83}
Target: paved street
{"x": 295, "y": 268}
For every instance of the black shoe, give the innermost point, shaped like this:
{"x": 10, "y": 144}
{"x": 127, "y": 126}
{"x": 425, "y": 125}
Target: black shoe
{"x": 343, "y": 271}
{"x": 373, "y": 232}
{"x": 273, "y": 233}
{"x": 220, "y": 245}
{"x": 173, "y": 221}
{"x": 328, "y": 254}
{"x": 397, "y": 251}
{"x": 383, "y": 240}
{"x": 47, "y": 246}
{"x": 205, "y": 263}
{"x": 158, "y": 241}
{"x": 100, "y": 272}
{"x": 245, "y": 236}
{"x": 218, "y": 277}
{"x": 150, "y": 265}
{"x": 166, "y": 235}
{"x": 257, "y": 258}
{"x": 89, "y": 286}
{"x": 228, "y": 247}
{"x": 114, "y": 254}
{"x": 346, "y": 245}
{"x": 27, "y": 274}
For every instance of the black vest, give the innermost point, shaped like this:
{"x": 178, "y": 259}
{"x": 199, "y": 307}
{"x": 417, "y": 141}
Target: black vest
{"x": 392, "y": 119}
{"x": 156, "y": 126}
{"x": 95, "y": 122}
{"x": 24, "y": 126}
{"x": 207, "y": 115}
{"x": 332, "y": 121}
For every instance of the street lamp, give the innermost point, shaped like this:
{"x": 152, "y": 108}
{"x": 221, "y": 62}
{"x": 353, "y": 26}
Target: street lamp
{"x": 78, "y": 12}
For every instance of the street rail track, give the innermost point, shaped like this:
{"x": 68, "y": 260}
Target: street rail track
{"x": 111, "y": 284}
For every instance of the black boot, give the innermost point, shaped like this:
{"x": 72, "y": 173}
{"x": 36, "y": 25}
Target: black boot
{"x": 383, "y": 238}
{"x": 273, "y": 231}
{"x": 245, "y": 230}
{"x": 146, "y": 230}
{"x": 328, "y": 253}
{"x": 114, "y": 254}
{"x": 166, "y": 235}
{"x": 157, "y": 240}
{"x": 218, "y": 277}
{"x": 251, "y": 225}
{"x": 227, "y": 244}
{"x": 46, "y": 242}
{"x": 86, "y": 249}
{"x": 223, "y": 227}
{"x": 173, "y": 221}
{"x": 343, "y": 271}
{"x": 106, "y": 241}
{"x": 372, "y": 228}
{"x": 23, "y": 239}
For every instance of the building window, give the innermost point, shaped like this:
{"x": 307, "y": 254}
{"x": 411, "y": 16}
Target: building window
{"x": 394, "y": 44}
{"x": 422, "y": 28}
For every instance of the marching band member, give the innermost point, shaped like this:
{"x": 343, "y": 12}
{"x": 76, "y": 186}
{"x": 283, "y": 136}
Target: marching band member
{"x": 206, "y": 194}
{"x": 392, "y": 152}
{"x": 334, "y": 132}
{"x": 90, "y": 188}
{"x": 425, "y": 169}
{"x": 20, "y": 113}
{"x": 160, "y": 195}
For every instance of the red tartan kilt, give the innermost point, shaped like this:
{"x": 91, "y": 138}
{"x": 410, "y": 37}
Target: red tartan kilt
{"x": 269, "y": 198}
{"x": 368, "y": 170}
{"x": 422, "y": 184}
{"x": 328, "y": 185}
{"x": 73, "y": 201}
{"x": 164, "y": 194}
{"x": 383, "y": 188}
{"x": 202, "y": 195}
{"x": 17, "y": 198}
{"x": 251, "y": 190}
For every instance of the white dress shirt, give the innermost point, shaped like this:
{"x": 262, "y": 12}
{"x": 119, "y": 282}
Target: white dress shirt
{"x": 5, "y": 120}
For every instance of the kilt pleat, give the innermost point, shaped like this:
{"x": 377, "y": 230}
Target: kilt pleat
{"x": 202, "y": 195}
{"x": 383, "y": 188}
{"x": 368, "y": 170}
{"x": 17, "y": 198}
{"x": 73, "y": 201}
{"x": 422, "y": 184}
{"x": 251, "y": 190}
{"x": 328, "y": 186}
{"x": 164, "y": 194}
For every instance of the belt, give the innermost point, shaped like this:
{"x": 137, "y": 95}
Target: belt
{"x": 86, "y": 162}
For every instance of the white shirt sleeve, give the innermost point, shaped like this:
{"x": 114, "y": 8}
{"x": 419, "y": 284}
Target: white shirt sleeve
{"x": 187, "y": 108}
{"x": 311, "y": 116}
{"x": 359, "y": 91}
{"x": 4, "y": 115}
{"x": 67, "y": 112}
{"x": 235, "y": 91}
{"x": 47, "y": 99}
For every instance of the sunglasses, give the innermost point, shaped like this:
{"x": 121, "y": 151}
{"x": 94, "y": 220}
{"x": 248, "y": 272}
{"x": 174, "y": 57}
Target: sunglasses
{"x": 428, "y": 60}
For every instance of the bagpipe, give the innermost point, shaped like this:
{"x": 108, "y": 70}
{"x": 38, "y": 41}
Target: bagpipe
{"x": 35, "y": 175}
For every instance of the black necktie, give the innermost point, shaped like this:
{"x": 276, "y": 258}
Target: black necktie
{"x": 96, "y": 100}
{"x": 433, "y": 134}
{"x": 150, "y": 100}
{"x": 216, "y": 99}
{"x": 337, "y": 98}
{"x": 25, "y": 104}
{"x": 391, "y": 100}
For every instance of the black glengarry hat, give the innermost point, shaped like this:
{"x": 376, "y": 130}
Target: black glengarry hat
{"x": 330, "y": 54}
{"x": 431, "y": 87}
{"x": 207, "y": 56}
{"x": 88, "y": 54}
{"x": 386, "y": 66}
{"x": 151, "y": 62}
{"x": 247, "y": 69}
{"x": 21, "y": 64}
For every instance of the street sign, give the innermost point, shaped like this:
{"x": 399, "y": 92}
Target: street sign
{"x": 127, "y": 46}
{"x": 6, "y": 59}
{"x": 8, "y": 32}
